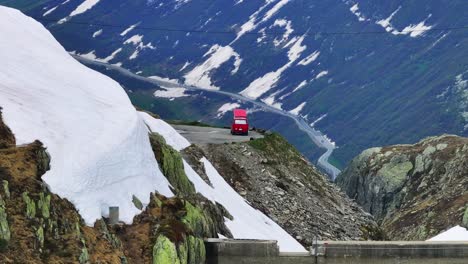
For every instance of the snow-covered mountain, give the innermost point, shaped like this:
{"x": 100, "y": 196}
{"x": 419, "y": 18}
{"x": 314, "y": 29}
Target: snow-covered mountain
{"x": 99, "y": 146}
{"x": 365, "y": 73}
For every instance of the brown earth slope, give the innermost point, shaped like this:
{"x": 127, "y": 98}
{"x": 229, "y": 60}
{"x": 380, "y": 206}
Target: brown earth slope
{"x": 414, "y": 191}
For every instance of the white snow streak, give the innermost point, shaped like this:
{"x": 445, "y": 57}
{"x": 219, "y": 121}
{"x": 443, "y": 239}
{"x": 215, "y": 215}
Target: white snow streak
{"x": 321, "y": 74}
{"x": 135, "y": 40}
{"x": 201, "y": 75}
{"x": 82, "y": 8}
{"x": 318, "y": 120}
{"x": 50, "y": 11}
{"x": 301, "y": 85}
{"x": 298, "y": 109}
{"x": 263, "y": 84}
{"x": 252, "y": 23}
{"x": 416, "y": 30}
{"x": 309, "y": 59}
{"x": 185, "y": 66}
{"x": 226, "y": 108}
{"x": 97, "y": 33}
{"x": 126, "y": 31}
{"x": 171, "y": 92}
{"x": 355, "y": 10}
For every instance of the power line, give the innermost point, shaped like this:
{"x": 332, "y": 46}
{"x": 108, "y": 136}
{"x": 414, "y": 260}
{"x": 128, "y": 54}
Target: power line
{"x": 232, "y": 32}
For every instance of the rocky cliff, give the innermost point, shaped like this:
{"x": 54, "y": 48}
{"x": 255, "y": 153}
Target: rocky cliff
{"x": 413, "y": 191}
{"x": 276, "y": 179}
{"x": 37, "y": 226}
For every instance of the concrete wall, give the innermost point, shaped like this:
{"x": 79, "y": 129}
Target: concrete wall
{"x": 374, "y": 249}
{"x": 241, "y": 247}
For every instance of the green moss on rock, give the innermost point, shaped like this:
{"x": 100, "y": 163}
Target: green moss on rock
{"x": 138, "y": 204}
{"x": 164, "y": 251}
{"x": 5, "y": 234}
{"x": 171, "y": 165}
{"x": 44, "y": 205}
{"x": 84, "y": 256}
{"x": 394, "y": 174}
{"x": 6, "y": 189}
{"x": 465, "y": 218}
{"x": 196, "y": 220}
{"x": 196, "y": 249}
{"x": 30, "y": 206}
{"x": 40, "y": 237}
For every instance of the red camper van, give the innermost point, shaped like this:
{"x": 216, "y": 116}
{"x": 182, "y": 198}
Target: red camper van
{"x": 240, "y": 125}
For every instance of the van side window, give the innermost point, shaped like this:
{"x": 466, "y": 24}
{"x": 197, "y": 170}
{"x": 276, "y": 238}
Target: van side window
{"x": 240, "y": 122}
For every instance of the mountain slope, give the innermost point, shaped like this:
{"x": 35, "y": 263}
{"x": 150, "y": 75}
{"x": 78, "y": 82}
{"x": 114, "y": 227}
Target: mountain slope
{"x": 101, "y": 154}
{"x": 99, "y": 144}
{"x": 414, "y": 191}
{"x": 296, "y": 55}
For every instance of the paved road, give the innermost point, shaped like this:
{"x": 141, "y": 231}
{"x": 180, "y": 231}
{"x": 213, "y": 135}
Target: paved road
{"x": 316, "y": 136}
{"x": 207, "y": 135}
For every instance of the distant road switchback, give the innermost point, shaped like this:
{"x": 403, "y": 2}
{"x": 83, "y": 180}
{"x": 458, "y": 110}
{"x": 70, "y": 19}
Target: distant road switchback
{"x": 316, "y": 136}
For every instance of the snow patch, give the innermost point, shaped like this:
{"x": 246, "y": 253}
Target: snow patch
{"x": 185, "y": 66}
{"x": 286, "y": 24}
{"x": 97, "y": 33}
{"x": 321, "y": 74}
{"x": 300, "y": 86}
{"x": 226, "y": 108}
{"x": 126, "y": 31}
{"x": 171, "y": 92}
{"x": 271, "y": 101}
{"x": 263, "y": 84}
{"x": 309, "y": 59}
{"x": 135, "y": 40}
{"x": 456, "y": 233}
{"x": 252, "y": 23}
{"x": 110, "y": 57}
{"x": 385, "y": 23}
{"x": 201, "y": 75}
{"x": 355, "y": 10}
{"x": 416, "y": 30}
{"x": 298, "y": 109}
{"x": 82, "y": 8}
{"x": 162, "y": 79}
{"x": 50, "y": 11}
{"x": 318, "y": 120}
{"x": 99, "y": 146}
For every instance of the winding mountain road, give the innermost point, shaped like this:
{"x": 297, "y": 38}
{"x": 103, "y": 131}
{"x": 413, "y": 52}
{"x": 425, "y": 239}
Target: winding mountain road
{"x": 316, "y": 136}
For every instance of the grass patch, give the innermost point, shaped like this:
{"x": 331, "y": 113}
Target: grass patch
{"x": 190, "y": 123}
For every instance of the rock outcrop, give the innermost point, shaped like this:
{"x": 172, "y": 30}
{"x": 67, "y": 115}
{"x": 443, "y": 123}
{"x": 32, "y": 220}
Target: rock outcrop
{"x": 37, "y": 226}
{"x": 276, "y": 179}
{"x": 6, "y": 137}
{"x": 413, "y": 191}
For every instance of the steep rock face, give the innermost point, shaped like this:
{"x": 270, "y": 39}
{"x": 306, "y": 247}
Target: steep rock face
{"x": 6, "y": 137}
{"x": 37, "y": 226}
{"x": 413, "y": 191}
{"x": 276, "y": 179}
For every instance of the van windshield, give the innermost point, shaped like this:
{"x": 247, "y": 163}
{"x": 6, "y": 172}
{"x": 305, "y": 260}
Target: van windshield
{"x": 240, "y": 122}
